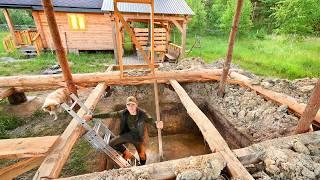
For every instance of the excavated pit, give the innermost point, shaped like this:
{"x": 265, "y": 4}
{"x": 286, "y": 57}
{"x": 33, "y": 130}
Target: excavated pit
{"x": 181, "y": 136}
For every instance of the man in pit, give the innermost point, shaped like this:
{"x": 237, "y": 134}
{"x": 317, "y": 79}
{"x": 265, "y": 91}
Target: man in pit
{"x": 132, "y": 128}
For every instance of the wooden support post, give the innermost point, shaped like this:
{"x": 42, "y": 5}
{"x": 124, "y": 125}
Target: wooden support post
{"x": 53, "y": 164}
{"x": 232, "y": 37}
{"x": 119, "y": 45}
{"x": 155, "y": 84}
{"x": 211, "y": 134}
{"x": 114, "y": 40}
{"x": 183, "y": 39}
{"x": 310, "y": 111}
{"x": 10, "y": 25}
{"x": 60, "y": 52}
{"x": 37, "y": 20}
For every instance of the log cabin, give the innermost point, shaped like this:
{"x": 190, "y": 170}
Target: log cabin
{"x": 89, "y": 24}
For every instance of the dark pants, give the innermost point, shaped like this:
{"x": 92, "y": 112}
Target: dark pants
{"x": 118, "y": 144}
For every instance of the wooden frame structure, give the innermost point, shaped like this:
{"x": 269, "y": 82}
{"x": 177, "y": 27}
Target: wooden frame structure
{"x": 52, "y": 155}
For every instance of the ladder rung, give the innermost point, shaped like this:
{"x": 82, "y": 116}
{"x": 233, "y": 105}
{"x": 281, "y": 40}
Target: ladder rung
{"x": 72, "y": 106}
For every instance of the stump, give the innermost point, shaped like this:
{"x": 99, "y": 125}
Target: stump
{"x": 17, "y": 98}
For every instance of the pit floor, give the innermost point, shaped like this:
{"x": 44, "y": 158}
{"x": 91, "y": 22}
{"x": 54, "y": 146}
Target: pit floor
{"x": 175, "y": 147}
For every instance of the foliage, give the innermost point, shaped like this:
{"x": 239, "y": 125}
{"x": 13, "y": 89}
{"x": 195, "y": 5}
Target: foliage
{"x": 297, "y": 17}
{"x": 19, "y": 17}
{"x": 198, "y": 21}
{"x": 8, "y": 122}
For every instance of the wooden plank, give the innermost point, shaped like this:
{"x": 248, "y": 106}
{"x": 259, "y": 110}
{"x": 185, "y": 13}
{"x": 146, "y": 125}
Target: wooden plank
{"x": 4, "y": 93}
{"x": 211, "y": 134}
{"x": 53, "y": 163}
{"x": 26, "y": 147}
{"x": 20, "y": 167}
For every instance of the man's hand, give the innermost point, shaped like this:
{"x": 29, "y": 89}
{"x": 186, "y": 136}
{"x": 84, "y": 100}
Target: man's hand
{"x": 87, "y": 117}
{"x": 159, "y": 124}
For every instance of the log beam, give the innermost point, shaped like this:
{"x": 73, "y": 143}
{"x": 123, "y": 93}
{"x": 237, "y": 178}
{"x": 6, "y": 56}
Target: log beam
{"x": 4, "y": 93}
{"x": 165, "y": 170}
{"x": 310, "y": 111}
{"x": 60, "y": 52}
{"x": 53, "y": 163}
{"x": 111, "y": 78}
{"x": 211, "y": 134}
{"x": 20, "y": 167}
{"x": 26, "y": 147}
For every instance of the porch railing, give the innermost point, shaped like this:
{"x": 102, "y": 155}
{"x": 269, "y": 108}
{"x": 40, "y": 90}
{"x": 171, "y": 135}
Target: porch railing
{"x": 23, "y": 37}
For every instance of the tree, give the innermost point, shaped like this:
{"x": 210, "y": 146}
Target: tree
{"x": 300, "y": 17}
{"x": 198, "y": 22}
{"x": 245, "y": 18}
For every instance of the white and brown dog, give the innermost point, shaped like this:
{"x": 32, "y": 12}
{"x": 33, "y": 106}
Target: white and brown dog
{"x": 54, "y": 100}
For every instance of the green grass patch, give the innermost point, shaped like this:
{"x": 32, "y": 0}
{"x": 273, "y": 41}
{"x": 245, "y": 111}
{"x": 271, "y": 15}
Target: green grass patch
{"x": 2, "y": 36}
{"x": 80, "y": 160}
{"x": 83, "y": 63}
{"x": 272, "y": 56}
{"x": 8, "y": 122}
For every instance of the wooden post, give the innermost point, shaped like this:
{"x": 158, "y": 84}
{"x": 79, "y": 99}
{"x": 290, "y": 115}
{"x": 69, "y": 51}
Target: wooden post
{"x": 38, "y": 23}
{"x": 183, "y": 39}
{"x": 232, "y": 37}
{"x": 114, "y": 40}
{"x": 60, "y": 52}
{"x": 119, "y": 44}
{"x": 310, "y": 111}
{"x": 10, "y": 25}
{"x": 155, "y": 84}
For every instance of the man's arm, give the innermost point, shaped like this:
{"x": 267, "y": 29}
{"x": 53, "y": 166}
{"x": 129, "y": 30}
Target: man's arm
{"x": 155, "y": 124}
{"x": 115, "y": 114}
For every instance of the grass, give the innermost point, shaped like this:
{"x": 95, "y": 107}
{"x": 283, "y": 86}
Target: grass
{"x": 272, "y": 56}
{"x": 8, "y": 122}
{"x": 83, "y": 63}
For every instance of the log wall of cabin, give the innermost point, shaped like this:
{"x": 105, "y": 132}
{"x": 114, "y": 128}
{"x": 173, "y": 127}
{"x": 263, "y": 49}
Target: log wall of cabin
{"x": 96, "y": 36}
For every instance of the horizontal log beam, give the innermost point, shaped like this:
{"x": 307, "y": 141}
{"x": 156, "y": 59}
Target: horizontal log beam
{"x": 26, "y": 147}
{"x": 20, "y": 167}
{"x": 165, "y": 170}
{"x": 111, "y": 78}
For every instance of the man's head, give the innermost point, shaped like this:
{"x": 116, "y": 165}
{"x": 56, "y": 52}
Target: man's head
{"x": 132, "y": 105}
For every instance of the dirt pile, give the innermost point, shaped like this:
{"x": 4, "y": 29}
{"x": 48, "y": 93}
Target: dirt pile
{"x": 208, "y": 169}
{"x": 248, "y": 112}
{"x": 300, "y": 161}
{"x": 300, "y": 89}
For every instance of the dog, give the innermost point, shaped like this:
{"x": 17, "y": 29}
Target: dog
{"x": 54, "y": 100}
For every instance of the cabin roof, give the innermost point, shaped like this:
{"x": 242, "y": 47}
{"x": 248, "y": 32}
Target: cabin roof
{"x": 174, "y": 7}
{"x": 59, "y": 5}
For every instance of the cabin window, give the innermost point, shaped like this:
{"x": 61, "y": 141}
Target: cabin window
{"x": 77, "y": 22}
